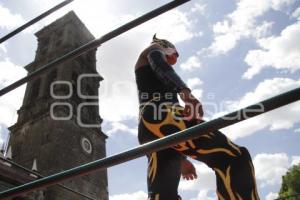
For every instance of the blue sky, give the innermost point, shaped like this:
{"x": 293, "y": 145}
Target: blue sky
{"x": 232, "y": 53}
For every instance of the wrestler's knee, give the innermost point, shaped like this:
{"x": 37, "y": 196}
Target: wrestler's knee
{"x": 244, "y": 153}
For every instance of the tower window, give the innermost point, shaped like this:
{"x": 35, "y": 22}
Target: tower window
{"x": 36, "y": 87}
{"x": 74, "y": 77}
{"x": 90, "y": 91}
{"x": 76, "y": 98}
{"x": 51, "y": 77}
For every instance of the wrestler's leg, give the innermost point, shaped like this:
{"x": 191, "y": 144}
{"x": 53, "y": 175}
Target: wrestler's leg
{"x": 163, "y": 175}
{"x": 231, "y": 163}
{"x": 163, "y": 172}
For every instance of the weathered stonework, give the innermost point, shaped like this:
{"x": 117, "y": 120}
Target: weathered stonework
{"x": 58, "y": 144}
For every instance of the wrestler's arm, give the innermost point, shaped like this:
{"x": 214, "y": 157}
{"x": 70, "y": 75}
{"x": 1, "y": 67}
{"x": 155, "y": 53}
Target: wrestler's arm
{"x": 164, "y": 71}
{"x": 193, "y": 108}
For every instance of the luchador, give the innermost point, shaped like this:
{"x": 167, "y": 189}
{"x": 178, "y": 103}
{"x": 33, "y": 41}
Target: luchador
{"x": 161, "y": 115}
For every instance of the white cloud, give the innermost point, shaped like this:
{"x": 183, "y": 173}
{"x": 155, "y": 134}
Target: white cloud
{"x": 140, "y": 195}
{"x": 42, "y": 4}
{"x": 205, "y": 184}
{"x": 269, "y": 168}
{"x": 243, "y": 23}
{"x": 197, "y": 93}
{"x": 271, "y": 196}
{"x": 91, "y": 11}
{"x": 10, "y": 72}
{"x": 282, "y": 52}
{"x": 203, "y": 195}
{"x": 9, "y": 106}
{"x": 118, "y": 126}
{"x": 281, "y": 118}
{"x": 118, "y": 100}
{"x": 266, "y": 89}
{"x": 3, "y": 48}
{"x": 199, "y": 8}
{"x": 263, "y": 29}
{"x": 205, "y": 181}
{"x": 9, "y": 103}
{"x": 9, "y": 20}
{"x": 3, "y": 136}
{"x": 175, "y": 25}
{"x": 194, "y": 82}
{"x": 191, "y": 63}
{"x": 296, "y": 14}
{"x": 295, "y": 160}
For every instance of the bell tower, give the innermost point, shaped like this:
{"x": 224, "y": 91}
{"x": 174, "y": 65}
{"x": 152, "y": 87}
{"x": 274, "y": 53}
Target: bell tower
{"x": 59, "y": 126}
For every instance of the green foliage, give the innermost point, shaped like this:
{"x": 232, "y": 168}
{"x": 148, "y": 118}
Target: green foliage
{"x": 291, "y": 184}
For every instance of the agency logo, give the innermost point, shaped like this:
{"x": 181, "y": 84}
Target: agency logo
{"x": 62, "y": 104}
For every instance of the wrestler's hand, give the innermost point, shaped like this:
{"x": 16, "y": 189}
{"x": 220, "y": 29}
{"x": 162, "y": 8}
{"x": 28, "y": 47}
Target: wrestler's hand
{"x": 193, "y": 108}
{"x": 188, "y": 170}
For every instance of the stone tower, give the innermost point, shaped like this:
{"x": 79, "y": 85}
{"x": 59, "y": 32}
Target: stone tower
{"x": 59, "y": 124}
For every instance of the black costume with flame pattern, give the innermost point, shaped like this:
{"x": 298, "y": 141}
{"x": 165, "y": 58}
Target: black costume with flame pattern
{"x": 161, "y": 115}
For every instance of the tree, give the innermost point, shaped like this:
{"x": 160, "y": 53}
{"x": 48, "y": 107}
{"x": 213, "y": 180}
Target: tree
{"x": 291, "y": 184}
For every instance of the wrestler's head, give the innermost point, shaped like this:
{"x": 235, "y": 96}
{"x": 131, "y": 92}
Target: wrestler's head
{"x": 169, "y": 49}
